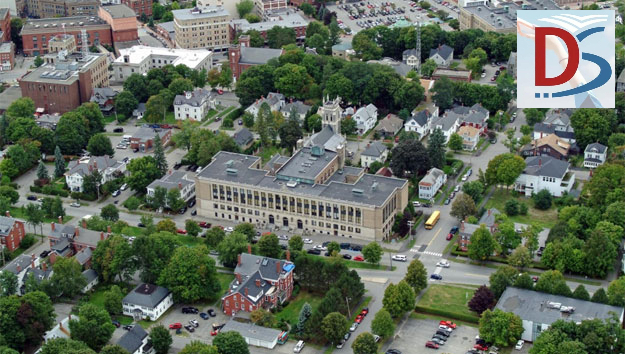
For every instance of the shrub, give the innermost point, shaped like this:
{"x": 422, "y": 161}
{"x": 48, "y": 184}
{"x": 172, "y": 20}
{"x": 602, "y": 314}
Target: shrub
{"x": 512, "y": 207}
{"x": 35, "y": 189}
{"x": 542, "y": 200}
{"x": 227, "y": 123}
{"x": 523, "y": 209}
{"x": 472, "y": 219}
{"x": 132, "y": 203}
{"x": 47, "y": 189}
{"x": 27, "y": 241}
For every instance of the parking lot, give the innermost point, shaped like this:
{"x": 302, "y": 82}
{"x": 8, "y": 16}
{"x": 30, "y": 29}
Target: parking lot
{"x": 411, "y": 338}
{"x": 489, "y": 74}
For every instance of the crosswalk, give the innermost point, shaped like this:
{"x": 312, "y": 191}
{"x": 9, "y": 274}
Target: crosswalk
{"x": 435, "y": 254}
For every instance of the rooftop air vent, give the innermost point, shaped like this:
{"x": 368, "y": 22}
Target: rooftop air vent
{"x": 232, "y": 171}
{"x": 357, "y": 191}
{"x": 291, "y": 184}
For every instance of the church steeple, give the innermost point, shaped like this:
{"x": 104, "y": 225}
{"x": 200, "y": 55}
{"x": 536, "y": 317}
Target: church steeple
{"x": 331, "y": 113}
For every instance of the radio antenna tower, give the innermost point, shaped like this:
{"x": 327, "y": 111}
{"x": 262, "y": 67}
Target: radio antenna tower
{"x": 418, "y": 46}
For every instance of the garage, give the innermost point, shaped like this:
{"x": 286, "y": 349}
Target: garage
{"x": 254, "y": 335}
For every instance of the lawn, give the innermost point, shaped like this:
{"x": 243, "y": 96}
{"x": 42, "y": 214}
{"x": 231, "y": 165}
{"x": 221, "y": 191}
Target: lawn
{"x": 268, "y": 151}
{"x": 542, "y": 218}
{"x": 291, "y": 312}
{"x": 447, "y": 299}
{"x": 20, "y": 214}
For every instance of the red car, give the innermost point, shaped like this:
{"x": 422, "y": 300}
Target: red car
{"x": 214, "y": 332}
{"x": 204, "y": 225}
{"x": 181, "y": 231}
{"x": 359, "y": 258}
{"x": 480, "y": 347}
{"x": 359, "y": 318}
{"x": 176, "y": 325}
{"x": 502, "y": 68}
{"x": 220, "y": 91}
{"x": 431, "y": 344}
{"x": 166, "y": 126}
{"x": 535, "y": 278}
{"x": 450, "y": 236}
{"x": 364, "y": 311}
{"x": 493, "y": 78}
{"x": 448, "y": 324}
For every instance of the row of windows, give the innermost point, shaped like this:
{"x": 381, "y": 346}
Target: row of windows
{"x": 51, "y": 88}
{"x": 549, "y": 179}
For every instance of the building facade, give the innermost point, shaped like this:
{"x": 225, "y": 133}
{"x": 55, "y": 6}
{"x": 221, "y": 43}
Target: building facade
{"x": 419, "y": 123}
{"x": 174, "y": 180}
{"x": 123, "y": 21}
{"x": 11, "y": 232}
{"x": 193, "y": 105}
{"x": 470, "y": 137}
{"x": 242, "y": 56}
{"x": 139, "y": 6}
{"x": 365, "y": 118}
{"x": 7, "y": 56}
{"x": 288, "y": 18}
{"x": 143, "y": 138}
{"x": 545, "y": 172}
{"x": 265, "y": 7}
{"x": 77, "y": 170}
{"x": 141, "y": 59}
{"x": 206, "y": 27}
{"x": 5, "y": 24}
{"x": 595, "y": 155}
{"x": 431, "y": 183}
{"x": 375, "y": 152}
{"x": 60, "y": 8}
{"x": 147, "y": 301}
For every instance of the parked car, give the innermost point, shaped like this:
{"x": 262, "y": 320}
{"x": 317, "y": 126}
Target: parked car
{"x": 341, "y": 344}
{"x": 447, "y": 201}
{"x": 229, "y": 229}
{"x": 314, "y": 251}
{"x": 116, "y": 193}
{"x": 204, "y": 316}
{"x": 123, "y": 187}
{"x": 353, "y": 327}
{"x": 31, "y": 197}
{"x": 128, "y": 327}
{"x": 344, "y": 245}
{"x": 449, "y": 236}
{"x": 519, "y": 344}
{"x": 482, "y": 347}
{"x": 44, "y": 254}
{"x": 454, "y": 230}
{"x": 189, "y": 328}
{"x": 299, "y": 346}
{"x": 347, "y": 256}
{"x": 204, "y": 225}
{"x": 212, "y": 313}
{"x": 437, "y": 341}
{"x": 430, "y": 344}
{"x": 177, "y": 166}
{"x": 448, "y": 324}
{"x": 75, "y": 205}
{"x": 355, "y": 247}
{"x": 181, "y": 231}
{"x": 441, "y": 337}
{"x": 118, "y": 130}
{"x": 364, "y": 311}
{"x": 399, "y": 258}
{"x": 359, "y": 318}
{"x": 443, "y": 333}
{"x": 359, "y": 258}
{"x": 190, "y": 309}
{"x": 284, "y": 238}
{"x": 436, "y": 277}
{"x": 116, "y": 323}
{"x": 308, "y": 241}
{"x": 194, "y": 323}
{"x": 393, "y": 351}
{"x": 445, "y": 328}
{"x": 176, "y": 325}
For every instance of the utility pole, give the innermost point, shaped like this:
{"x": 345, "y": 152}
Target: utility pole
{"x": 349, "y": 312}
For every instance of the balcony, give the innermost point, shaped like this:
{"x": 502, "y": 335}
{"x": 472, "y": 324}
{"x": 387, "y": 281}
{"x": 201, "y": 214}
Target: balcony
{"x": 568, "y": 180}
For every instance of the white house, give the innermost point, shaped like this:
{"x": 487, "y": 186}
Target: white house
{"x": 300, "y": 108}
{"x": 470, "y": 137}
{"x": 419, "y": 123}
{"x": 365, "y": 118}
{"x": 376, "y": 151}
{"x": 92, "y": 279}
{"x": 410, "y": 58}
{"x": 620, "y": 82}
{"x": 136, "y": 341}
{"x": 20, "y": 266}
{"x": 140, "y": 59}
{"x": 147, "y": 301}
{"x": 193, "y": 104}
{"x": 447, "y": 123}
{"x": 109, "y": 169}
{"x": 545, "y": 172}
{"x": 176, "y": 179}
{"x": 61, "y": 330}
{"x": 539, "y": 310}
{"x": 274, "y": 100}
{"x": 443, "y": 55}
{"x": 595, "y": 155}
{"x": 431, "y": 183}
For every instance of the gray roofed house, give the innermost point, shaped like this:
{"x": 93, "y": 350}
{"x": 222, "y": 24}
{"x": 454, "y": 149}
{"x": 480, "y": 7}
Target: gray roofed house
{"x": 139, "y": 111}
{"x": 595, "y": 155}
{"x": 620, "y": 82}
{"x": 243, "y": 138}
{"x": 61, "y": 330}
{"x": 431, "y": 183}
{"x": 274, "y": 100}
{"x": 48, "y": 121}
{"x": 194, "y": 98}
{"x": 365, "y": 117}
{"x": 254, "y": 335}
{"x": 109, "y": 169}
{"x": 326, "y": 138}
{"x": 104, "y": 97}
{"x": 92, "y": 279}
{"x": 545, "y": 166}
{"x": 389, "y": 126}
{"x": 343, "y": 50}
{"x": 38, "y": 274}
{"x": 558, "y": 117}
{"x": 375, "y": 149}
{"x": 442, "y": 55}
{"x": 447, "y": 123}
{"x": 301, "y": 109}
{"x": 545, "y": 172}
{"x": 401, "y": 68}
{"x": 136, "y": 341}
{"x": 193, "y": 104}
{"x": 543, "y": 129}
{"x": 419, "y": 123}
{"x": 19, "y": 264}
{"x": 489, "y": 217}
{"x": 174, "y": 180}
{"x": 475, "y": 116}
{"x": 84, "y": 256}
{"x": 539, "y": 310}
{"x": 62, "y": 247}
{"x": 147, "y": 301}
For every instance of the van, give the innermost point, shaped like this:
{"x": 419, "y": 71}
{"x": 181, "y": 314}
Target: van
{"x": 298, "y": 347}
{"x": 126, "y": 137}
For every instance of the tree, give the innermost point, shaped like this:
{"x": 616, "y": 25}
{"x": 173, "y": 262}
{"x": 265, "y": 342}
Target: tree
{"x": 372, "y": 252}
{"x": 93, "y": 327}
{"x": 500, "y": 328}
{"x": 59, "y": 162}
{"x": 158, "y": 199}
{"x": 304, "y": 315}
{"x": 231, "y": 247}
{"x": 533, "y": 116}
{"x": 616, "y": 292}
{"x": 269, "y": 246}
{"x": 334, "y": 248}
{"x": 334, "y": 327}
{"x": 155, "y": 108}
{"x": 600, "y": 297}
{"x": 197, "y": 347}
{"x": 34, "y": 215}
{"x": 436, "y": 148}
{"x": 278, "y": 37}
{"x": 383, "y": 324}
{"x": 161, "y": 339}
{"x": 409, "y": 156}
{"x": 153, "y": 253}
{"x": 65, "y": 346}
{"x": 113, "y": 258}
{"x": 296, "y": 243}
{"x": 443, "y": 93}
{"x": 473, "y": 189}
{"x": 245, "y": 7}
{"x": 592, "y": 125}
{"x": 364, "y": 344}
{"x": 548, "y": 280}
{"x": 100, "y": 145}
{"x": 67, "y": 277}
{"x": 143, "y": 171}
{"x": 291, "y": 79}
{"x": 21, "y": 108}
{"x": 42, "y": 172}
{"x": 110, "y": 213}
{"x": 524, "y": 281}
{"x": 600, "y": 253}
{"x": 225, "y": 79}
{"x": 8, "y": 283}
{"x": 262, "y": 317}
{"x": 308, "y": 9}
{"x": 581, "y": 293}
{"x": 230, "y": 343}
{"x": 463, "y": 206}
{"x": 188, "y": 286}
{"x": 192, "y": 227}
{"x": 482, "y": 300}
{"x": 501, "y": 279}
{"x": 113, "y": 349}
{"x": 173, "y": 200}
{"x": 416, "y": 276}
{"x": 504, "y": 169}
{"x": 427, "y": 68}
{"x": 290, "y": 132}
{"x": 214, "y": 236}
{"x": 159, "y": 155}
{"x": 482, "y": 244}
{"x": 113, "y": 300}
{"x": 512, "y": 207}
{"x": 560, "y": 288}
{"x": 399, "y": 299}
{"x": 520, "y": 257}
{"x": 125, "y": 103}
{"x": 542, "y": 199}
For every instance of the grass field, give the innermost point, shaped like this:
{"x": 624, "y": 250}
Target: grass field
{"x": 450, "y": 299}
{"x": 291, "y": 312}
{"x": 542, "y": 218}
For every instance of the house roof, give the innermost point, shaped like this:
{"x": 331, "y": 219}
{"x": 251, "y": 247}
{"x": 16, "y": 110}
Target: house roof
{"x": 468, "y": 130}
{"x": 299, "y": 107}
{"x": 553, "y": 116}
{"x": 391, "y": 124}
{"x": 147, "y": 295}
{"x": 445, "y": 122}
{"x": 535, "y": 306}
{"x": 146, "y": 133}
{"x": 251, "y": 55}
{"x": 172, "y": 180}
{"x": 243, "y": 137}
{"x": 90, "y": 275}
{"x": 119, "y": 11}
{"x": 39, "y": 274}
{"x": 6, "y": 224}
{"x": 326, "y": 138}
{"x": 489, "y": 217}
{"x": 61, "y": 330}
{"x": 62, "y": 246}
{"x": 84, "y": 255}
{"x": 375, "y": 149}
{"x": 249, "y": 330}
{"x": 367, "y": 112}
{"x": 545, "y": 166}
{"x": 551, "y": 129}
{"x": 342, "y": 46}
{"x": 22, "y": 262}
{"x": 474, "y": 114}
{"x": 595, "y": 147}
{"x": 102, "y": 94}
{"x": 384, "y": 171}
{"x": 272, "y": 99}
{"x": 468, "y": 229}
{"x": 409, "y": 52}
{"x": 444, "y": 51}
{"x": 421, "y": 118}
{"x": 139, "y": 110}
{"x": 61, "y": 230}
{"x": 82, "y": 166}
{"x": 132, "y": 340}
{"x": 256, "y": 274}
{"x": 551, "y": 140}
{"x": 431, "y": 177}
{"x": 197, "y": 98}
{"x": 401, "y": 68}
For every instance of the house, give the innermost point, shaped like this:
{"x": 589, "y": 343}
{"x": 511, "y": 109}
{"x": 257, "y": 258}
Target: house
{"x": 539, "y": 310}
{"x": 254, "y": 335}
{"x": 410, "y": 58}
{"x": 545, "y": 172}
{"x": 260, "y": 282}
{"x": 136, "y": 341}
{"x": 105, "y": 98}
{"x": 560, "y": 119}
{"x": 174, "y": 180}
{"x": 300, "y": 108}
{"x": 475, "y": 116}
{"x": 244, "y": 138}
{"x": 512, "y": 64}
{"x": 431, "y": 183}
{"x": 343, "y": 50}
{"x": 454, "y": 75}
{"x": 399, "y": 67}
{"x": 384, "y": 171}
{"x": 549, "y": 145}
{"x": 542, "y": 129}
{"x": 489, "y": 219}
{"x": 92, "y": 279}
{"x": 595, "y": 155}
{"x": 620, "y": 82}
{"x": 365, "y": 118}
{"x": 78, "y": 169}
{"x": 470, "y": 137}
{"x": 147, "y": 301}
{"x": 274, "y": 100}
{"x": 143, "y": 138}
{"x": 447, "y": 123}
{"x": 243, "y": 56}
{"x": 39, "y": 274}
{"x": 443, "y": 55}
{"x": 68, "y": 240}
{"x": 139, "y": 111}
{"x": 48, "y": 121}
{"x": 19, "y": 266}
{"x": 375, "y": 152}
{"x": 83, "y": 257}
{"x": 61, "y": 330}
{"x": 193, "y": 105}
{"x": 11, "y": 232}
{"x": 419, "y": 123}
{"x": 389, "y": 126}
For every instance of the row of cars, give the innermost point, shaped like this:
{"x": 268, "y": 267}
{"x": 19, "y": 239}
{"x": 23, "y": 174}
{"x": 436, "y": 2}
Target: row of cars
{"x": 193, "y": 323}
{"x": 361, "y": 316}
{"x": 445, "y": 328}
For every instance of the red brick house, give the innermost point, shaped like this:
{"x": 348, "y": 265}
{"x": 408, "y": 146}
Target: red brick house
{"x": 260, "y": 282}
{"x": 143, "y": 138}
{"x": 11, "y": 232}
{"x": 242, "y": 56}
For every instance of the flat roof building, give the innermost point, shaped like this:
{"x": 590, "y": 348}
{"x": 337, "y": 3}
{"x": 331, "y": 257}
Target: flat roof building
{"x": 60, "y": 8}
{"x": 123, "y": 21}
{"x": 288, "y": 18}
{"x": 479, "y": 15}
{"x": 205, "y": 27}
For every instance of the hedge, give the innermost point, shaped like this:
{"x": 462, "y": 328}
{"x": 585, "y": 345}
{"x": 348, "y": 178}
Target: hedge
{"x": 234, "y": 114}
{"x": 448, "y": 314}
{"x": 49, "y": 191}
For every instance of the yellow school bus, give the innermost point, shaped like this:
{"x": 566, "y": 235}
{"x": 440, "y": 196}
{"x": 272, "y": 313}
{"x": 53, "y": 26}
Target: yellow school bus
{"x": 432, "y": 220}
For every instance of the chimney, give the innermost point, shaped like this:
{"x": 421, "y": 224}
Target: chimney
{"x": 249, "y": 248}
{"x": 69, "y": 317}
{"x": 258, "y": 282}
{"x": 462, "y": 225}
{"x": 288, "y": 255}
{"x": 169, "y": 171}
{"x": 246, "y": 291}
{"x": 238, "y": 277}
{"x": 84, "y": 223}
{"x": 19, "y": 268}
{"x": 179, "y": 185}
{"x": 60, "y": 219}
{"x": 108, "y": 229}
{"x": 7, "y": 213}
{"x": 32, "y": 263}
{"x": 278, "y": 268}
{"x": 239, "y": 259}
{"x": 52, "y": 225}
{"x": 101, "y": 236}
{"x": 90, "y": 168}
{"x": 52, "y": 257}
{"x": 76, "y": 232}
{"x": 61, "y": 325}
{"x": 95, "y": 164}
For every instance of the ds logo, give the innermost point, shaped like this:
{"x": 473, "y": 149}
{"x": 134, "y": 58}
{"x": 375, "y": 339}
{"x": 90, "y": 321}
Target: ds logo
{"x": 565, "y": 59}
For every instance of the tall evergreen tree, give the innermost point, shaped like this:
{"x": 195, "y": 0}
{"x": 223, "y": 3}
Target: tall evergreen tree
{"x": 42, "y": 171}
{"x": 159, "y": 155}
{"x": 436, "y": 148}
{"x": 304, "y": 315}
{"x": 59, "y": 162}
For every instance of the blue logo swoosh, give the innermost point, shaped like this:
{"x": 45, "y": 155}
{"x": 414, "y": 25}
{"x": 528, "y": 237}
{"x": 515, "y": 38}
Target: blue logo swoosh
{"x": 605, "y": 73}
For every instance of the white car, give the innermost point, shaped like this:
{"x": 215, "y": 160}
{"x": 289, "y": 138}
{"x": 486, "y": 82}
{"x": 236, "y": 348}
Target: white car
{"x": 320, "y": 248}
{"x": 399, "y": 258}
{"x": 443, "y": 263}
{"x": 445, "y": 328}
{"x": 483, "y": 75}
{"x": 416, "y": 203}
{"x": 464, "y": 178}
{"x": 194, "y": 323}
{"x": 308, "y": 241}
{"x": 457, "y": 189}
{"x": 75, "y": 205}
{"x": 123, "y": 187}
{"x": 376, "y": 338}
{"x": 116, "y": 193}
{"x": 283, "y": 237}
{"x": 229, "y": 229}
{"x": 353, "y": 327}
{"x": 519, "y": 344}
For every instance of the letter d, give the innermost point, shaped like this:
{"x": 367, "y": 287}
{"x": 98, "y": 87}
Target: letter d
{"x": 540, "y": 58}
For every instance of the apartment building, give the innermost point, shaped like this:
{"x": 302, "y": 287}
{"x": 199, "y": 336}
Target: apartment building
{"x": 482, "y": 15}
{"x": 288, "y": 18}
{"x": 205, "y": 27}
{"x": 7, "y": 56}
{"x": 265, "y": 7}
{"x": 139, "y": 6}
{"x": 60, "y": 8}
{"x": 5, "y": 24}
